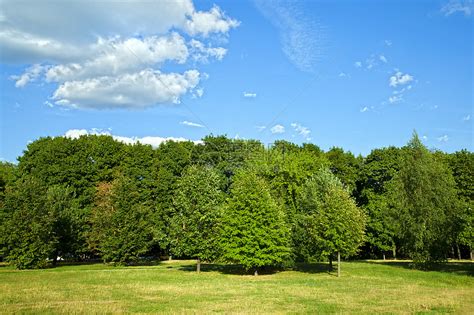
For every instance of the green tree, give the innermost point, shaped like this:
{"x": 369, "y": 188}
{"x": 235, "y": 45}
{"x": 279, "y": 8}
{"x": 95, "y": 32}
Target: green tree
{"x": 194, "y": 228}
{"x": 28, "y": 224}
{"x": 376, "y": 172}
{"x": 122, "y": 226}
{"x": 425, "y": 204}
{"x": 254, "y": 230}
{"x": 329, "y": 217}
{"x": 462, "y": 166}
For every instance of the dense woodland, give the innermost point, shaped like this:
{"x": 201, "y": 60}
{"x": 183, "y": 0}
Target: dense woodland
{"x": 233, "y": 201}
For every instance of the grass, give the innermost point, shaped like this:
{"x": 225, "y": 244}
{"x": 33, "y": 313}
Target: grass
{"x": 173, "y": 287}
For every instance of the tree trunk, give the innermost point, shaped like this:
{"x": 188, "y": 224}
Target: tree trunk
{"x": 452, "y": 252}
{"x": 338, "y": 264}
{"x": 459, "y": 251}
{"x": 255, "y": 273}
{"x": 471, "y": 253}
{"x": 383, "y": 256}
{"x": 170, "y": 258}
{"x": 330, "y": 262}
{"x": 394, "y": 252}
{"x": 198, "y": 266}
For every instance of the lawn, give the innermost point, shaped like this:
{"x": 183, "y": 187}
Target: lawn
{"x": 173, "y": 287}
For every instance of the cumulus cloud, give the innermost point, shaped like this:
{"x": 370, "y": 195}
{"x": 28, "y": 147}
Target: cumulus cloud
{"x": 153, "y": 141}
{"x": 213, "y": 21}
{"x": 137, "y": 90}
{"x": 387, "y": 42}
{"x": 358, "y": 64}
{"x": 31, "y": 74}
{"x": 277, "y": 129}
{"x": 364, "y": 109}
{"x": 466, "y": 118}
{"x": 191, "y": 124}
{"x": 383, "y": 58}
{"x": 250, "y": 95}
{"x": 303, "y": 40}
{"x": 303, "y": 131}
{"x": 465, "y": 7}
{"x": 443, "y": 138}
{"x": 400, "y": 78}
{"x": 100, "y": 46}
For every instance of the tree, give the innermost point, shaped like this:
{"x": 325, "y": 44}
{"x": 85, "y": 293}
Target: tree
{"x": 122, "y": 228}
{"x": 462, "y": 166}
{"x": 28, "y": 225}
{"x": 254, "y": 231}
{"x": 376, "y": 172}
{"x": 425, "y": 204}
{"x": 194, "y": 227}
{"x": 329, "y": 217}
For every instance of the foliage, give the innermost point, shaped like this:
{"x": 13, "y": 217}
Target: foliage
{"x": 328, "y": 218}
{"x": 425, "y": 204}
{"x": 198, "y": 201}
{"x": 254, "y": 232}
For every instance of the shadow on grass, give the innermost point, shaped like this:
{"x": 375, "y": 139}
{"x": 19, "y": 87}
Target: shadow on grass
{"x": 240, "y": 270}
{"x": 315, "y": 268}
{"x": 229, "y": 269}
{"x": 455, "y": 267}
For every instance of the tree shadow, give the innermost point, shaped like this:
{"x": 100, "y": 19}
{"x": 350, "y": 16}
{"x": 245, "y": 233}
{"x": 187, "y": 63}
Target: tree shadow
{"x": 454, "y": 267}
{"x": 313, "y": 268}
{"x": 229, "y": 269}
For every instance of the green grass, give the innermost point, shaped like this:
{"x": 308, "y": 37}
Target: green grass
{"x": 172, "y": 287}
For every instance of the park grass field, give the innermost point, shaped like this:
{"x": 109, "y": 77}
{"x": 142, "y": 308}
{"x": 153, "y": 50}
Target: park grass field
{"x": 365, "y": 287}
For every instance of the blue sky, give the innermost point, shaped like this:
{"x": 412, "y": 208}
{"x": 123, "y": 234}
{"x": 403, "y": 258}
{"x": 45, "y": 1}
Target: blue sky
{"x": 354, "y": 74}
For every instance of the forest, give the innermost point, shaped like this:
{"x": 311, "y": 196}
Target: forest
{"x": 233, "y": 201}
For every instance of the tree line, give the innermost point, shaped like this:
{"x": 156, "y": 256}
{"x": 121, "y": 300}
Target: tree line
{"x": 233, "y": 201}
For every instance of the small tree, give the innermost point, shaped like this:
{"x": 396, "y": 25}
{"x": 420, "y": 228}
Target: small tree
{"x": 197, "y": 203}
{"x": 331, "y": 221}
{"x": 254, "y": 231}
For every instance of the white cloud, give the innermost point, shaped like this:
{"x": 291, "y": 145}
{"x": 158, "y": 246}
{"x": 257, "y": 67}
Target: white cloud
{"x": 31, "y": 74}
{"x": 305, "y": 132}
{"x": 123, "y": 56}
{"x": 395, "y": 99}
{"x": 465, "y": 7}
{"x": 466, "y": 118}
{"x": 383, "y": 59}
{"x": 48, "y": 103}
{"x": 400, "y": 79}
{"x": 250, "y": 95}
{"x": 213, "y": 21}
{"x": 92, "y": 50}
{"x": 358, "y": 64}
{"x": 137, "y": 90}
{"x": 303, "y": 39}
{"x": 424, "y": 138}
{"x": 388, "y": 42}
{"x": 343, "y": 75}
{"x": 364, "y": 109}
{"x": 260, "y": 128}
{"x": 277, "y": 129}
{"x": 202, "y": 53}
{"x": 443, "y": 138}
{"x": 191, "y": 124}
{"x": 153, "y": 141}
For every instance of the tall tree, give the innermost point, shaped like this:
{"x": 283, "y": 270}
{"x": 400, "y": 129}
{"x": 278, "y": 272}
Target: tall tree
{"x": 194, "y": 228}
{"x": 425, "y": 204}
{"x": 254, "y": 230}
{"x": 329, "y": 217}
{"x": 28, "y": 225}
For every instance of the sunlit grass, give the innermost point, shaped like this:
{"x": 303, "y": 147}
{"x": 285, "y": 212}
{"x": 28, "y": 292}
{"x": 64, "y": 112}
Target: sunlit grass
{"x": 173, "y": 287}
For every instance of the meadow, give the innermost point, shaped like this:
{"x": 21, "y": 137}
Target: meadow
{"x": 173, "y": 287}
